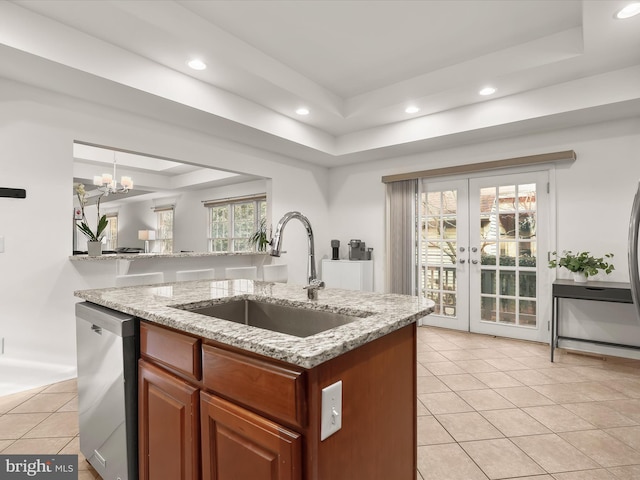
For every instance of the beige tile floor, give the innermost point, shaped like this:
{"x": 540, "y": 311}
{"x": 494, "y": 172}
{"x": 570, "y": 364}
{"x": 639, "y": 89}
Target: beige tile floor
{"x": 494, "y": 408}
{"x": 488, "y": 408}
{"x": 43, "y": 420}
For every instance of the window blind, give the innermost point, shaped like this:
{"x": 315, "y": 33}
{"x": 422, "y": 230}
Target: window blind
{"x": 228, "y": 200}
{"x": 163, "y": 208}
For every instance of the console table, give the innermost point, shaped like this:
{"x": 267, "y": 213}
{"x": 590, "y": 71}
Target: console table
{"x": 617, "y": 292}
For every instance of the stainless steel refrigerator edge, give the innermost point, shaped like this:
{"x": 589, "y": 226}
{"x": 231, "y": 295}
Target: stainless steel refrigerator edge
{"x": 108, "y": 351}
{"x": 634, "y": 275}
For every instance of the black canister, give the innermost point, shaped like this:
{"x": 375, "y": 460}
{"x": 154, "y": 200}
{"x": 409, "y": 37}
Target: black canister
{"x": 335, "y": 249}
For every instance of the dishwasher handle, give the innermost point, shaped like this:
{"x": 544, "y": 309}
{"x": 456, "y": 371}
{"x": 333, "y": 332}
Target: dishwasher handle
{"x": 119, "y": 323}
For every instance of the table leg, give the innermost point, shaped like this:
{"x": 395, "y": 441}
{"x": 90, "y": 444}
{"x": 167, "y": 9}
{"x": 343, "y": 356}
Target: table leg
{"x": 554, "y": 327}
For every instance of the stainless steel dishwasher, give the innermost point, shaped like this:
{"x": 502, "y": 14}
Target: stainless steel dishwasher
{"x": 107, "y": 343}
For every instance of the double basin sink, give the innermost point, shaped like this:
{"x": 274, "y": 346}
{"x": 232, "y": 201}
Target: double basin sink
{"x": 297, "y": 321}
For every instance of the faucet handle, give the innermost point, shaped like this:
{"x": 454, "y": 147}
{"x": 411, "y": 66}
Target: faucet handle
{"x": 315, "y": 284}
{"x": 313, "y": 287}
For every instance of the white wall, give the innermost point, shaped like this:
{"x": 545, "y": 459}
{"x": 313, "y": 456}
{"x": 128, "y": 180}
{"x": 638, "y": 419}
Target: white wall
{"x": 133, "y": 217}
{"x": 37, "y": 131}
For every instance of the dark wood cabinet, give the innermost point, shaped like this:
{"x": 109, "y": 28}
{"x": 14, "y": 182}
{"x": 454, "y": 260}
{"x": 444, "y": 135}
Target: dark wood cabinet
{"x": 239, "y": 444}
{"x": 169, "y": 431}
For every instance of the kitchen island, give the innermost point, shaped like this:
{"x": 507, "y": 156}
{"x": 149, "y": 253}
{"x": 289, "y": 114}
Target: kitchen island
{"x": 223, "y": 400}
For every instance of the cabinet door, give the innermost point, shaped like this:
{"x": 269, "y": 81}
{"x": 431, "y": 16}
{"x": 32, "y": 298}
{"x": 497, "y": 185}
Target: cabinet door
{"x": 348, "y": 274}
{"x": 238, "y": 444}
{"x": 168, "y": 426}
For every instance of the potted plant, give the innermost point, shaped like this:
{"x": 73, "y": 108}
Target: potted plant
{"x": 94, "y": 239}
{"x": 259, "y": 238}
{"x": 582, "y": 264}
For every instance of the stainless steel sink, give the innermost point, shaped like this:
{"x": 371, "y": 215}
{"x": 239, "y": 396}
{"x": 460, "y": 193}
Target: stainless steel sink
{"x": 300, "y": 322}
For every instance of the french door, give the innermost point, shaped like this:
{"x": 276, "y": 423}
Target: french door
{"x": 478, "y": 256}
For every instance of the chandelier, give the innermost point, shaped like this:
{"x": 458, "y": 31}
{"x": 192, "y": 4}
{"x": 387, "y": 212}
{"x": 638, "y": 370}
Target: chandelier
{"x": 107, "y": 182}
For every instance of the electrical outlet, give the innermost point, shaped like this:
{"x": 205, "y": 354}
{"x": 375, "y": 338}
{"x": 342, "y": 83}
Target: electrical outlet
{"x": 331, "y": 420}
{"x": 1, "y": 244}
{"x": 2, "y": 346}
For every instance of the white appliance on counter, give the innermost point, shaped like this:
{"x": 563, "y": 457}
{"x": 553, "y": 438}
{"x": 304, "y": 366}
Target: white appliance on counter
{"x": 348, "y": 274}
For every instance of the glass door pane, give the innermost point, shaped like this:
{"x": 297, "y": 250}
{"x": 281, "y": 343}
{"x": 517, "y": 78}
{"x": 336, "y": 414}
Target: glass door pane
{"x": 505, "y": 239}
{"x": 443, "y": 232}
{"x": 507, "y": 253}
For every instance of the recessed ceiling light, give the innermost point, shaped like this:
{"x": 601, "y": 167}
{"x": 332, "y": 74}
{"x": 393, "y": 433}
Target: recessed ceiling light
{"x": 302, "y": 111}
{"x": 412, "y": 109}
{"x": 197, "y": 64}
{"x": 487, "y": 91}
{"x": 629, "y": 11}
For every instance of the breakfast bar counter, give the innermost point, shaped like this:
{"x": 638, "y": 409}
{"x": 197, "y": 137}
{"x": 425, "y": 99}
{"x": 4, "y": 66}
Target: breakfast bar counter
{"x": 155, "y": 256}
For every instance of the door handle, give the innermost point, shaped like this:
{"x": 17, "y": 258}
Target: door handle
{"x": 475, "y": 262}
{"x": 461, "y": 260}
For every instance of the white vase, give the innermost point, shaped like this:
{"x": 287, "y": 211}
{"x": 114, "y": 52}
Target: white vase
{"x": 579, "y": 277}
{"x": 94, "y": 249}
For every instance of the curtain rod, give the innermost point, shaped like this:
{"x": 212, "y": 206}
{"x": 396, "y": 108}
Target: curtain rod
{"x": 483, "y": 166}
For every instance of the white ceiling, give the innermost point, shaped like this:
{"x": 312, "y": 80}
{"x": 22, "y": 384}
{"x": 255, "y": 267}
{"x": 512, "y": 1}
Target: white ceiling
{"x": 355, "y": 64}
{"x": 352, "y": 48}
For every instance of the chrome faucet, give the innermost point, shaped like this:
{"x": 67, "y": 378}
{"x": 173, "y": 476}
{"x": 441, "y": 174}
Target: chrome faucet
{"x": 276, "y": 243}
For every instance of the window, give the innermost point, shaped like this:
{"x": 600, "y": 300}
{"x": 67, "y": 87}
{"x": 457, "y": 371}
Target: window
{"x": 164, "y": 221}
{"x": 111, "y": 237}
{"x": 233, "y": 221}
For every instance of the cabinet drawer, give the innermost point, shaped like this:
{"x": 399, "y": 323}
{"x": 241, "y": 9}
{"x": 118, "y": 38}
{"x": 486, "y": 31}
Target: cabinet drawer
{"x": 269, "y": 388}
{"x": 238, "y": 444}
{"x": 179, "y": 353}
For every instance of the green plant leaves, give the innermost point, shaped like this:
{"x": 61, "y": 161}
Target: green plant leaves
{"x": 582, "y": 262}
{"x": 259, "y": 238}
{"x": 86, "y": 230}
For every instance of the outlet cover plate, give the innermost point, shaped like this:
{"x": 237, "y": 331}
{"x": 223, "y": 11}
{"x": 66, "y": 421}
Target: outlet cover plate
{"x": 331, "y": 410}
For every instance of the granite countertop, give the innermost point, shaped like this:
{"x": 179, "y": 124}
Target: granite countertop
{"x": 146, "y": 256}
{"x": 380, "y": 314}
